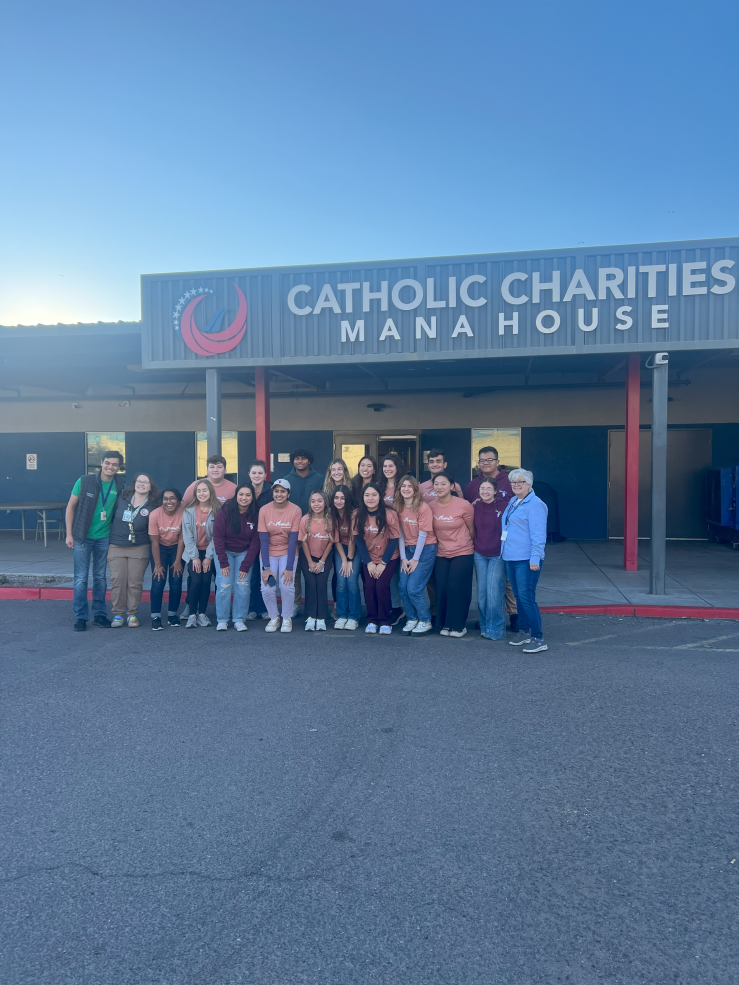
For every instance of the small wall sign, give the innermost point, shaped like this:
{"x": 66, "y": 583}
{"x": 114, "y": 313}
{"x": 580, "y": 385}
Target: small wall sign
{"x": 31, "y": 461}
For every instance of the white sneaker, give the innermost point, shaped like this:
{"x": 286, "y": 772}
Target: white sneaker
{"x": 458, "y": 632}
{"x": 340, "y": 624}
{"x": 310, "y": 625}
{"x": 385, "y": 630}
{"x": 410, "y": 625}
{"x": 192, "y": 622}
{"x": 273, "y": 625}
{"x": 240, "y": 627}
{"x": 444, "y": 632}
{"x": 422, "y": 627}
{"x": 350, "y": 624}
{"x": 203, "y": 620}
{"x": 321, "y": 624}
{"x": 221, "y": 625}
{"x": 287, "y": 625}
{"x": 370, "y": 628}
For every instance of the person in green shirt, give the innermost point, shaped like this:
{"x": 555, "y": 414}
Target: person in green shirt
{"x": 88, "y": 517}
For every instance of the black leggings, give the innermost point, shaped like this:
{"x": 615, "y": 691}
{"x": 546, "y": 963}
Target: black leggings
{"x": 198, "y": 587}
{"x": 453, "y": 591}
{"x": 316, "y": 587}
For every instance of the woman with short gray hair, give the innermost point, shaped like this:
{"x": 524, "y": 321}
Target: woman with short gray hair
{"x": 523, "y": 537}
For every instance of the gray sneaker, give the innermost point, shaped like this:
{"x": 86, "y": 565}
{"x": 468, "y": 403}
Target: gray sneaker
{"x": 535, "y": 645}
{"x": 520, "y": 638}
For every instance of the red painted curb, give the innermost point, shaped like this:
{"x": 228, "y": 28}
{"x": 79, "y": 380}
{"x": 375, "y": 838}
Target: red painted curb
{"x": 13, "y": 592}
{"x": 652, "y": 611}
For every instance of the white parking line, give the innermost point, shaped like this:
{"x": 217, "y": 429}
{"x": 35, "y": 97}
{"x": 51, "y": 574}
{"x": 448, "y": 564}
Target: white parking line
{"x": 716, "y": 639}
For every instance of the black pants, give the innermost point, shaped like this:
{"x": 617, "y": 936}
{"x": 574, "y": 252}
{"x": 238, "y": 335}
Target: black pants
{"x": 198, "y": 587}
{"x": 316, "y": 587}
{"x": 453, "y": 591}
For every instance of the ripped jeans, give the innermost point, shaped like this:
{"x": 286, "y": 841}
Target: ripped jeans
{"x": 224, "y": 586}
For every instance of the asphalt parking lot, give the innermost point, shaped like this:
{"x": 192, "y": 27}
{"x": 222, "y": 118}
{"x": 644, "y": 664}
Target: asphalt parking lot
{"x": 193, "y": 807}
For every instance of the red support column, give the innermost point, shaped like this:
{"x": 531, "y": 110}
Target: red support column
{"x": 261, "y": 382}
{"x": 631, "y": 471}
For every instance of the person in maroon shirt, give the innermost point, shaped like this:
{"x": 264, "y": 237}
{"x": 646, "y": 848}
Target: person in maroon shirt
{"x": 489, "y": 565}
{"x": 489, "y": 466}
{"x": 236, "y": 545}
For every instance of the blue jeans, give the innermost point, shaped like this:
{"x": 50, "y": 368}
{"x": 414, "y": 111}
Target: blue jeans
{"x": 224, "y": 586}
{"x": 413, "y": 586}
{"x": 167, "y": 554}
{"x": 491, "y": 575}
{"x": 523, "y": 582}
{"x": 348, "y": 599}
{"x": 97, "y": 550}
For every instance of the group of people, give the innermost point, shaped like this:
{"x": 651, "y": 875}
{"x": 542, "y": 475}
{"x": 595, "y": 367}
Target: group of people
{"x": 410, "y": 548}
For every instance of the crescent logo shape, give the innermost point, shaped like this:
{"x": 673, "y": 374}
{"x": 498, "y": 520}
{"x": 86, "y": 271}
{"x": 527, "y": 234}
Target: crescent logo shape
{"x": 218, "y": 342}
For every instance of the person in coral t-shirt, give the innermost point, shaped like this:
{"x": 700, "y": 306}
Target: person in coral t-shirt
{"x": 454, "y": 526}
{"x": 377, "y": 535}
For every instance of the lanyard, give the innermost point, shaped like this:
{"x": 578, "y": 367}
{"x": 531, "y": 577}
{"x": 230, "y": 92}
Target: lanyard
{"x": 512, "y": 509}
{"x": 104, "y": 499}
{"x": 135, "y": 512}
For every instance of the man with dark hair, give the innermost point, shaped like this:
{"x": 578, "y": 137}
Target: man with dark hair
{"x": 489, "y": 468}
{"x": 303, "y": 480}
{"x": 436, "y": 463}
{"x": 87, "y": 519}
{"x": 215, "y": 471}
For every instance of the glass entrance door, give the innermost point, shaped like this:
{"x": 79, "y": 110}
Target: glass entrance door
{"x": 405, "y": 446}
{"x": 351, "y": 446}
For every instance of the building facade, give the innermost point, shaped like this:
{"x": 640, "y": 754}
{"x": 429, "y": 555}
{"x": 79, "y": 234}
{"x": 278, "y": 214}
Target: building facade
{"x": 529, "y": 352}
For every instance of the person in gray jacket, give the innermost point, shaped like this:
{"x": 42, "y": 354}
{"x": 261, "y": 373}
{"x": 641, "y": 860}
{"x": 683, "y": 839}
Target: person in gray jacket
{"x": 197, "y": 533}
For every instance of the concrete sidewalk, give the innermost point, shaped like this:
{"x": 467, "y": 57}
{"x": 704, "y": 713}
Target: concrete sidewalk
{"x": 586, "y": 572}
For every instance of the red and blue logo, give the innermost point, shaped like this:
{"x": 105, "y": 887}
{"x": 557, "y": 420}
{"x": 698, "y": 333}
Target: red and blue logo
{"x": 211, "y": 340}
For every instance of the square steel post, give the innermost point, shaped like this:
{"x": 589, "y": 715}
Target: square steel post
{"x": 658, "y": 535}
{"x": 631, "y": 465}
{"x": 213, "y": 410}
{"x": 261, "y": 384}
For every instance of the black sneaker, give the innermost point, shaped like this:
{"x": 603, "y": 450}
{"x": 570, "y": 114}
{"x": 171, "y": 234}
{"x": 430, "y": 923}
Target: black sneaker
{"x": 80, "y": 625}
{"x": 102, "y": 621}
{"x": 173, "y": 621}
{"x": 396, "y": 615}
{"x": 156, "y": 623}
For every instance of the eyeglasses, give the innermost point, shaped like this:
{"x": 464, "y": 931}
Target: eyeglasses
{"x": 519, "y": 482}
{"x": 487, "y": 461}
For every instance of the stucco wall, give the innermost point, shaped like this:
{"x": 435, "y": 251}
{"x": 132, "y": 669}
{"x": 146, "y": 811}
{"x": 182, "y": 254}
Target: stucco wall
{"x": 713, "y": 396}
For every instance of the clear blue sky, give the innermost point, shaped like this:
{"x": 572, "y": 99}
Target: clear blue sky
{"x": 151, "y": 136}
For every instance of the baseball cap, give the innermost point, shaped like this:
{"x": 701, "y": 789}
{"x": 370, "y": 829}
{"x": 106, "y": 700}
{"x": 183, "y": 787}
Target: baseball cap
{"x": 282, "y": 482}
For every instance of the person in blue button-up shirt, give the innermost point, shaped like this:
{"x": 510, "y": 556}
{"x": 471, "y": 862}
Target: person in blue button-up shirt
{"x": 524, "y": 537}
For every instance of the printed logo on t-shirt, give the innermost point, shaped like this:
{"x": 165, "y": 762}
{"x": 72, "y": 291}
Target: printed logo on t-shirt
{"x": 442, "y": 517}
{"x": 278, "y": 523}
{"x": 410, "y": 519}
{"x": 372, "y": 530}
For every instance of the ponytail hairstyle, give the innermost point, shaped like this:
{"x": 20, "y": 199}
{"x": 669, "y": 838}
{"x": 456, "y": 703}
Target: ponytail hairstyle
{"x": 336, "y": 517}
{"x": 399, "y": 502}
{"x": 231, "y": 508}
{"x": 358, "y": 480}
{"x": 382, "y": 479}
{"x": 363, "y": 512}
{"x": 450, "y": 478}
{"x": 326, "y": 512}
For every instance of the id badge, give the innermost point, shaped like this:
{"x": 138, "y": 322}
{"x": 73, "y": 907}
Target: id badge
{"x": 127, "y": 516}
{"x": 103, "y": 515}
{"x": 504, "y": 535}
